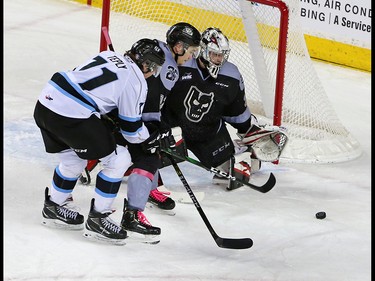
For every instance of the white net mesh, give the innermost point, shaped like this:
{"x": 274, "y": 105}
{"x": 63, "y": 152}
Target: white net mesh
{"x": 315, "y": 132}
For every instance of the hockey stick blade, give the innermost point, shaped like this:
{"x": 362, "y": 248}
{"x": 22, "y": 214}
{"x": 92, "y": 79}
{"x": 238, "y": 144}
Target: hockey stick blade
{"x": 228, "y": 243}
{"x": 266, "y": 187}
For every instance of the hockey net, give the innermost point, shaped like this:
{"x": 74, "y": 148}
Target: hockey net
{"x": 268, "y": 46}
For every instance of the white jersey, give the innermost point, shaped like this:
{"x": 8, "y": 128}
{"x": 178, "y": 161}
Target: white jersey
{"x": 102, "y": 84}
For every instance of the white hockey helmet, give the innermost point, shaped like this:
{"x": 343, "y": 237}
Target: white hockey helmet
{"x": 214, "y": 44}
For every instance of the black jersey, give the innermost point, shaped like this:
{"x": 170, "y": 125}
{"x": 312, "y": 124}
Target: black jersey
{"x": 200, "y": 104}
{"x": 160, "y": 86}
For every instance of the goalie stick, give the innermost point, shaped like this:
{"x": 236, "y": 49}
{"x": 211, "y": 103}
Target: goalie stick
{"x": 229, "y": 243}
{"x": 263, "y": 188}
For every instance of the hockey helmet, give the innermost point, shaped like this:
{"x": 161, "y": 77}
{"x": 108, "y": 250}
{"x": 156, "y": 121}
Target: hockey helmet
{"x": 214, "y": 42}
{"x": 147, "y": 52}
{"x": 185, "y": 33}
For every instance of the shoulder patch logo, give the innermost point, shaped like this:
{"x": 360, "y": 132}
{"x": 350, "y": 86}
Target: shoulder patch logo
{"x": 171, "y": 73}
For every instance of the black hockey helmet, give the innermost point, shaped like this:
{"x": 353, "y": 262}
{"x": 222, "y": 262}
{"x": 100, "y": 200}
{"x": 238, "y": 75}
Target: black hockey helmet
{"x": 183, "y": 32}
{"x": 148, "y": 51}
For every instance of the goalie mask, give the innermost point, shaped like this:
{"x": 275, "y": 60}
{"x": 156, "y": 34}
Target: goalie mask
{"x": 146, "y": 52}
{"x": 214, "y": 50}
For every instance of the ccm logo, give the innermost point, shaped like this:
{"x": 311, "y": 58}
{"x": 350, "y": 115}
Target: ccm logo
{"x": 221, "y": 149}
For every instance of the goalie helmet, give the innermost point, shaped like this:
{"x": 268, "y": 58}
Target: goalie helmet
{"x": 148, "y": 53}
{"x": 185, "y": 33}
{"x": 214, "y": 51}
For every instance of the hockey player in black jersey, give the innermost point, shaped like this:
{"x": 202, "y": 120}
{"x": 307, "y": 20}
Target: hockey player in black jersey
{"x": 209, "y": 94}
{"x": 71, "y": 114}
{"x": 182, "y": 43}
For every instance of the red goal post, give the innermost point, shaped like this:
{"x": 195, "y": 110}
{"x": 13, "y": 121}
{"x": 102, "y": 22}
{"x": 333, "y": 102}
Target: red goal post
{"x": 268, "y": 46}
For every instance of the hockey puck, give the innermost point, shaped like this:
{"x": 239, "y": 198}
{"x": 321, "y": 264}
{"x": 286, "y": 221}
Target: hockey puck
{"x": 320, "y": 215}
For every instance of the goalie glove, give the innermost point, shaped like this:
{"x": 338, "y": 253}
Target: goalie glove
{"x": 267, "y": 142}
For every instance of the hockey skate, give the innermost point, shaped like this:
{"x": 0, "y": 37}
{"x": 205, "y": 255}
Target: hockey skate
{"x": 138, "y": 227}
{"x": 160, "y": 201}
{"x": 100, "y": 227}
{"x": 62, "y": 217}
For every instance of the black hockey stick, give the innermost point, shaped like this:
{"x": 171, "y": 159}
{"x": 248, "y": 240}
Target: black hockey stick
{"x": 229, "y": 243}
{"x": 263, "y": 188}
{"x": 86, "y": 180}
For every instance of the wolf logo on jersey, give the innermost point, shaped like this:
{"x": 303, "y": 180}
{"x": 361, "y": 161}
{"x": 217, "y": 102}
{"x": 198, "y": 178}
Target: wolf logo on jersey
{"x": 197, "y": 104}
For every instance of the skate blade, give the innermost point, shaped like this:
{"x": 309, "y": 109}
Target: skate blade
{"x": 141, "y": 238}
{"x": 96, "y": 237}
{"x": 156, "y": 209}
{"x": 58, "y": 224}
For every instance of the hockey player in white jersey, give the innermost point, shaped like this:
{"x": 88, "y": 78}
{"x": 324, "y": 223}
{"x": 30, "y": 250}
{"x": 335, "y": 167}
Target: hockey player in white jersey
{"x": 71, "y": 114}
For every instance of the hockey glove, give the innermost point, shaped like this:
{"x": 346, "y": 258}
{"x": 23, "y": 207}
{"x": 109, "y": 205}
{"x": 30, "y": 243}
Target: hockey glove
{"x": 111, "y": 123}
{"x": 152, "y": 144}
{"x": 167, "y": 139}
